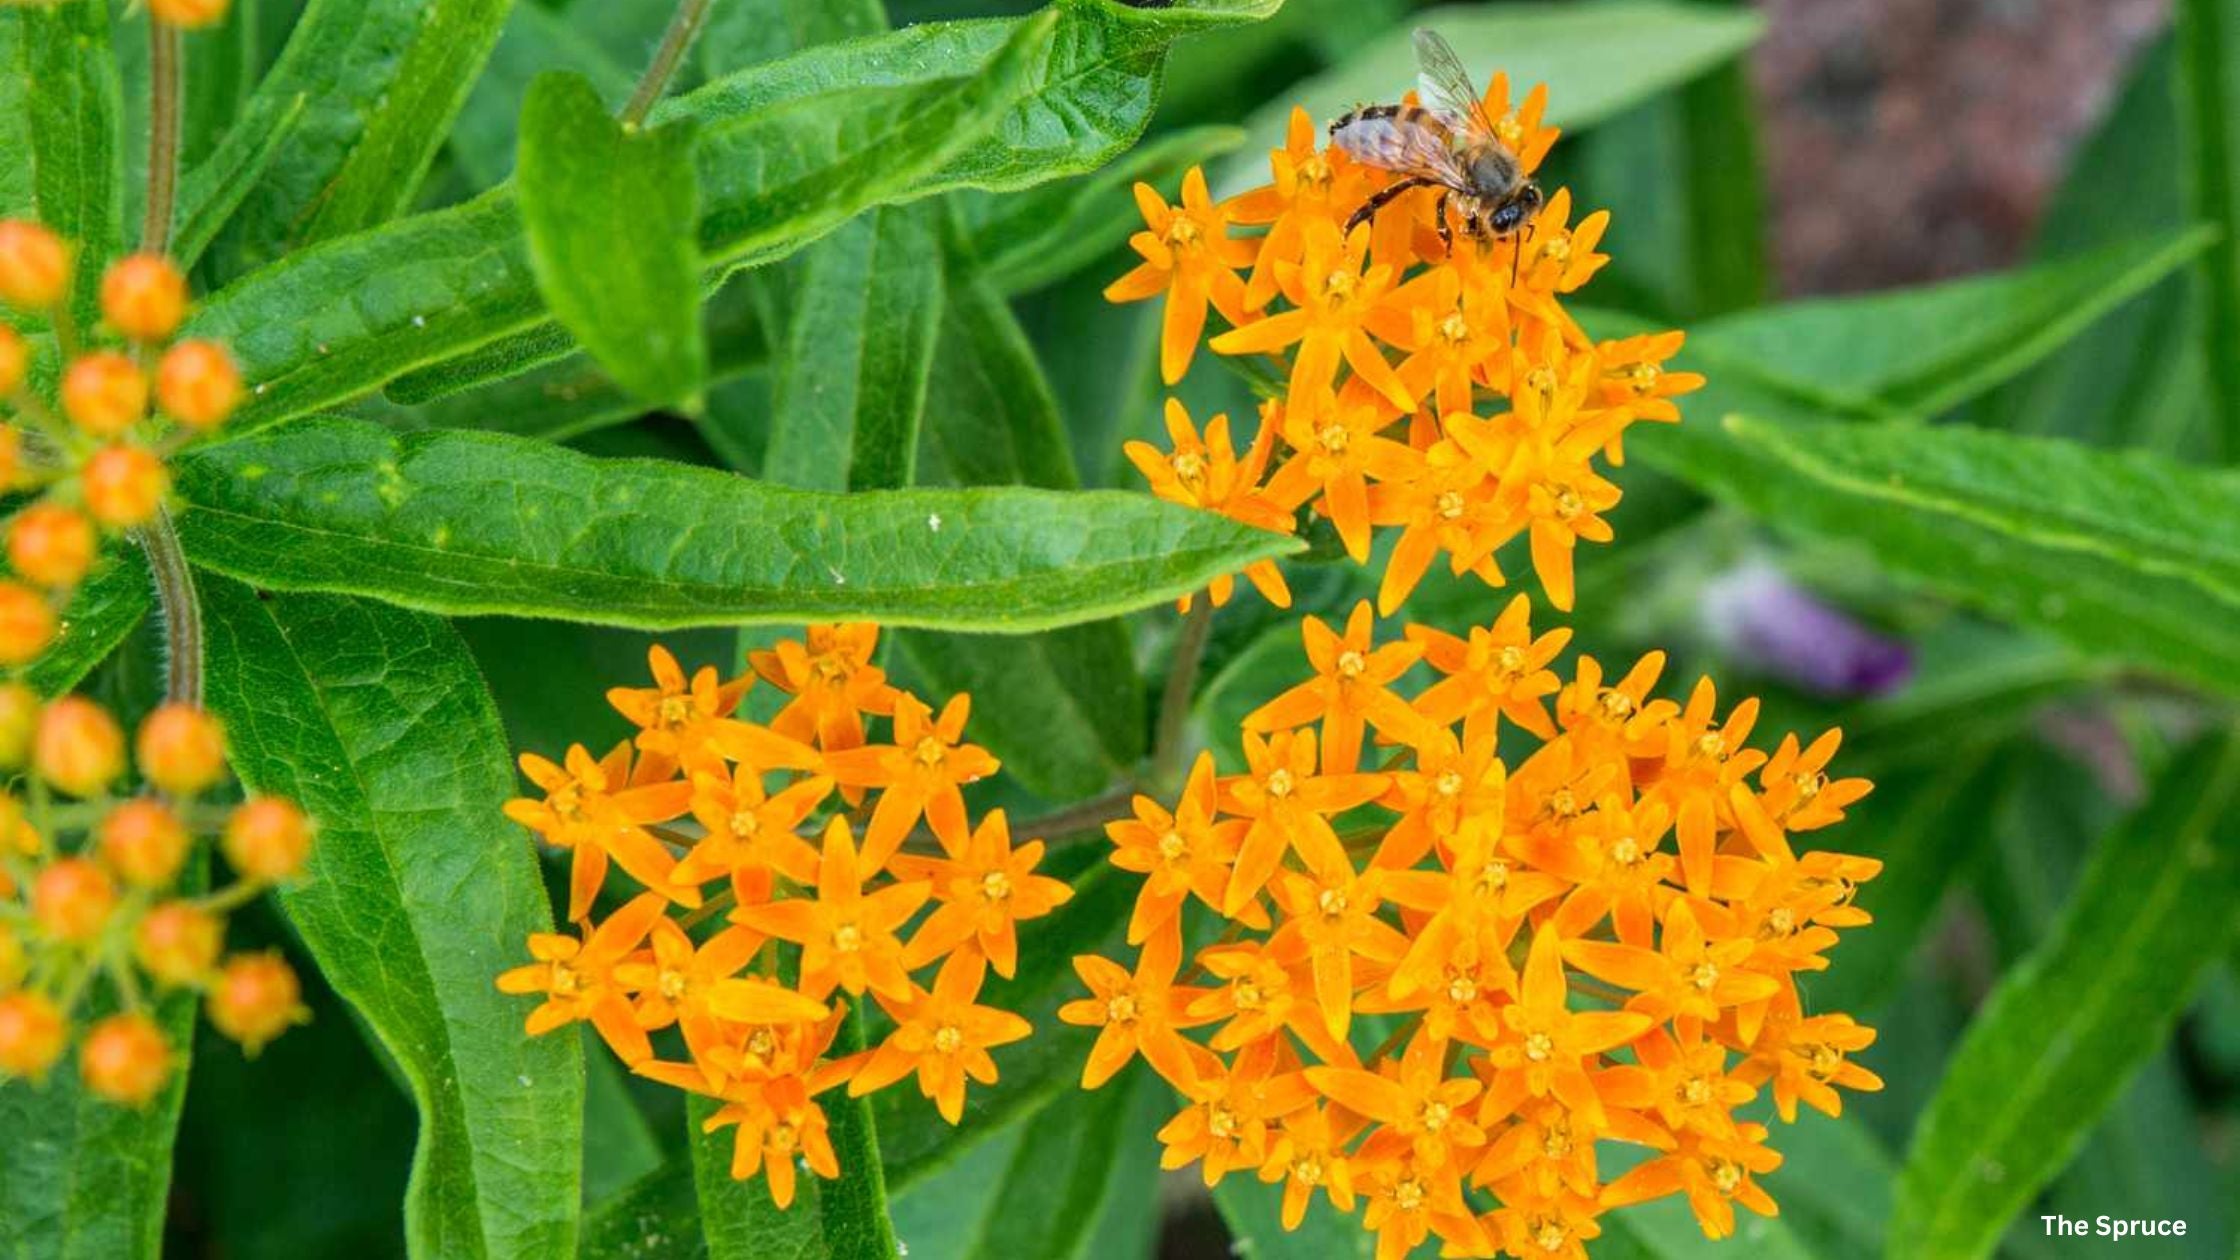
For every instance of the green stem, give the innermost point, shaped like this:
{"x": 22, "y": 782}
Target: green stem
{"x": 166, "y": 74}
{"x": 1174, "y": 704}
{"x": 684, "y": 27}
{"x": 182, "y": 612}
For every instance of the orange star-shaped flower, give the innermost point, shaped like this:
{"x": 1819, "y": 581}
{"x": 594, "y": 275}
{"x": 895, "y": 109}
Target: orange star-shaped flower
{"x": 943, "y": 1036}
{"x": 984, "y": 892}
{"x": 847, "y": 936}
{"x": 920, "y": 773}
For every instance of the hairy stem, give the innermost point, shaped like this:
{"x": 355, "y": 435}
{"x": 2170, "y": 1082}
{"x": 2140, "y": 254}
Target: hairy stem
{"x": 1085, "y": 818}
{"x": 182, "y": 613}
{"x": 1182, "y": 680}
{"x": 166, "y": 80}
{"x": 684, "y": 27}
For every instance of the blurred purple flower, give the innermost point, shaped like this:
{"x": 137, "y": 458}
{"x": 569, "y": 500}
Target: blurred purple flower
{"x": 1762, "y": 620}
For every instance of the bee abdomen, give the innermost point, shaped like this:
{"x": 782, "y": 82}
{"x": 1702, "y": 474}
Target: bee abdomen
{"x": 1370, "y": 113}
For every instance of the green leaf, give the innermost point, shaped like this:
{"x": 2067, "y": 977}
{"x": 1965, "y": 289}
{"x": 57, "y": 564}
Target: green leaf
{"x": 1597, "y": 59}
{"x": 658, "y": 1217}
{"x": 849, "y": 389}
{"x": 333, "y": 322}
{"x": 461, "y": 522}
{"x": 419, "y": 894}
{"x": 383, "y": 79}
{"x": 2068, "y": 1027}
{"x": 1726, "y": 191}
{"x": 535, "y": 40}
{"x": 737, "y": 1219}
{"x": 72, "y": 108}
{"x": 103, "y": 612}
{"x": 1922, "y": 351}
{"x": 2127, "y": 556}
{"x": 609, "y": 210}
{"x": 1030, "y": 239}
{"x": 853, "y": 1206}
{"x": 2209, "y": 95}
{"x": 211, "y": 193}
{"x": 1253, "y": 1211}
{"x": 1071, "y": 1164}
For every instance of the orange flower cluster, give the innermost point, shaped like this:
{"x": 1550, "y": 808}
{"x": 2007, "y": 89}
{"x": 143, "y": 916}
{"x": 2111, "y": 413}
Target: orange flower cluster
{"x": 901, "y": 882}
{"x": 1541, "y": 970}
{"x": 98, "y": 465}
{"x": 107, "y": 902}
{"x": 1391, "y": 324}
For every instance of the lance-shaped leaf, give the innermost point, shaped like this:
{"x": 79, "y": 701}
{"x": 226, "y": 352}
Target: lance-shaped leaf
{"x": 332, "y": 322}
{"x": 2209, "y": 92}
{"x": 460, "y": 522}
{"x": 377, "y": 83}
{"x": 418, "y": 894}
{"x": 2076, "y": 1019}
{"x": 2127, "y": 556}
{"x": 609, "y": 209}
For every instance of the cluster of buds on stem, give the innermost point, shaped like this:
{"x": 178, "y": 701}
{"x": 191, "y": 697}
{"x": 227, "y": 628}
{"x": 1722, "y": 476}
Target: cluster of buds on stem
{"x": 91, "y": 452}
{"x": 97, "y": 892}
{"x": 844, "y": 865}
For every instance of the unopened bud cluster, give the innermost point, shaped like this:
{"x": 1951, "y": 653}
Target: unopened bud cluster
{"x": 91, "y": 451}
{"x": 93, "y": 895}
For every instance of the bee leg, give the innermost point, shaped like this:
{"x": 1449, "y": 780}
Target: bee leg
{"x": 1377, "y": 200}
{"x": 1446, "y": 233}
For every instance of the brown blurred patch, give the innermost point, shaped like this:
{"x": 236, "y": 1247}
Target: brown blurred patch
{"x": 1912, "y": 139}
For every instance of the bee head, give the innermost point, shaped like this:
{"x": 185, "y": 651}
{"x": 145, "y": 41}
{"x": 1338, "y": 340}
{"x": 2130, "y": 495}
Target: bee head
{"x": 1516, "y": 210}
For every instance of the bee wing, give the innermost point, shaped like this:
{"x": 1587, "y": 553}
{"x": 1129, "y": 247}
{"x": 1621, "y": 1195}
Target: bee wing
{"x": 1444, "y": 85}
{"x": 1393, "y": 143}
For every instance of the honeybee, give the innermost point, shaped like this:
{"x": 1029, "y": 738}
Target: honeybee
{"x": 1446, "y": 142}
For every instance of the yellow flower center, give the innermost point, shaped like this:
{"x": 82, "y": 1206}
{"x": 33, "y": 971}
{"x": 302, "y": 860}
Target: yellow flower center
{"x": 1449, "y": 504}
{"x": 1823, "y": 1059}
{"x": 1539, "y": 1047}
{"x": 847, "y": 938}
{"x": 1555, "y": 1140}
{"x": 1550, "y": 1235}
{"x": 1809, "y": 785}
{"x": 1173, "y": 848}
{"x": 1781, "y": 921}
{"x": 1409, "y": 1194}
{"x": 1642, "y": 378}
{"x": 782, "y": 1138}
{"x": 1189, "y": 466}
{"x": 830, "y": 669}
{"x": 1557, "y": 247}
{"x": 1247, "y": 995}
{"x": 1704, "y": 976}
{"x": 674, "y": 710}
{"x": 1510, "y": 130}
{"x": 1351, "y": 663}
{"x": 1339, "y": 287}
{"x": 743, "y": 824}
{"x": 1435, "y": 1115}
{"x": 1454, "y": 330}
{"x": 1279, "y": 783}
{"x": 1711, "y": 745}
{"x": 566, "y": 980}
{"x": 1335, "y": 438}
{"x": 1448, "y": 784}
{"x": 1221, "y": 1122}
{"x": 1562, "y": 803}
{"x": 1569, "y": 506}
{"x": 1726, "y": 1176}
{"x": 1332, "y": 902}
{"x": 1510, "y": 660}
{"x": 762, "y": 1043}
{"x": 1183, "y": 233}
{"x": 1494, "y": 877}
{"x": 672, "y": 983}
{"x": 1461, "y": 989}
{"x": 1626, "y": 851}
{"x": 1696, "y": 1092}
{"x": 1616, "y": 705}
{"x": 1121, "y": 1008}
{"x": 930, "y": 751}
{"x": 1315, "y": 174}
{"x": 948, "y": 1039}
{"x": 1307, "y": 1170}
{"x": 995, "y": 886}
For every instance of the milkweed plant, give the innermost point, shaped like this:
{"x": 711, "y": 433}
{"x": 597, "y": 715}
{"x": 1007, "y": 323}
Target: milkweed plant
{"x": 842, "y": 629}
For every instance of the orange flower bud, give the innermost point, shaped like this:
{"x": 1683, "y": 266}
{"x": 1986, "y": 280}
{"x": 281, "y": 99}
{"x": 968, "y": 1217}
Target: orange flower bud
{"x": 181, "y": 749}
{"x": 197, "y": 384}
{"x": 31, "y": 1031}
{"x": 27, "y": 626}
{"x": 15, "y": 359}
{"x": 268, "y": 839}
{"x": 143, "y": 841}
{"x": 256, "y": 999}
{"x": 178, "y": 944}
{"x": 78, "y": 747}
{"x": 51, "y": 545}
{"x": 144, "y": 297}
{"x": 19, "y": 718}
{"x": 34, "y": 265}
{"x": 125, "y": 1059}
{"x": 190, "y": 14}
{"x": 72, "y": 900}
{"x": 104, "y": 393}
{"x": 124, "y": 486}
{"x": 15, "y": 962}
